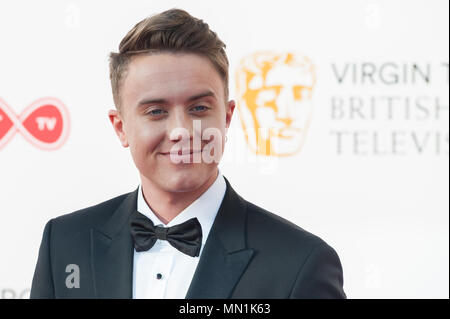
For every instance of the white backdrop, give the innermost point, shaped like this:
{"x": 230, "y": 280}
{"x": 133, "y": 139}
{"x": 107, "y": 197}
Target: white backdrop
{"x": 374, "y": 186}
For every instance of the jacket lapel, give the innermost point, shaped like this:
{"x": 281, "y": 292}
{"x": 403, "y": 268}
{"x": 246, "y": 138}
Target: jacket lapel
{"x": 112, "y": 253}
{"x": 225, "y": 255}
{"x": 223, "y": 260}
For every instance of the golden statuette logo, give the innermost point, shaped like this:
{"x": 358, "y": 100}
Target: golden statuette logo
{"x": 273, "y": 92}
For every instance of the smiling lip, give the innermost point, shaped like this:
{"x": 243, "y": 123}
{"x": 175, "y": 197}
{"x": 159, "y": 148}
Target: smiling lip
{"x": 179, "y": 153}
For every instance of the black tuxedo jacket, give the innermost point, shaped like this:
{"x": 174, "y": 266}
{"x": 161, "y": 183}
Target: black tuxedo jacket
{"x": 249, "y": 253}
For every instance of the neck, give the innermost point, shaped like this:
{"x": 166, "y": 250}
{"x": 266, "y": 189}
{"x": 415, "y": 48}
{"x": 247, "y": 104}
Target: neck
{"x": 168, "y": 205}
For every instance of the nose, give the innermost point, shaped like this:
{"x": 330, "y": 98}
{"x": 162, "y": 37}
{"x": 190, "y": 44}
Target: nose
{"x": 177, "y": 120}
{"x": 286, "y": 120}
{"x": 181, "y": 126}
{"x": 285, "y": 104}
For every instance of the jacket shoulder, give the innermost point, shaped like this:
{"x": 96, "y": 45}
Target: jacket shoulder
{"x": 92, "y": 216}
{"x": 302, "y": 265}
{"x": 278, "y": 230}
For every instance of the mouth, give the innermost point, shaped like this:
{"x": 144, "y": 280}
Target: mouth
{"x": 288, "y": 132}
{"x": 179, "y": 158}
{"x": 179, "y": 153}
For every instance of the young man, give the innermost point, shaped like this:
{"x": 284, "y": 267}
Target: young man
{"x": 184, "y": 233}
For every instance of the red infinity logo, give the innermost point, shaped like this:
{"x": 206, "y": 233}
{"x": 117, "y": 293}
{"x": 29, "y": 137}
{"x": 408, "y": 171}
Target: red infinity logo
{"x": 44, "y": 123}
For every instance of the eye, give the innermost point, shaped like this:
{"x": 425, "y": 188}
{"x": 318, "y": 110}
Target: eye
{"x": 299, "y": 92}
{"x": 155, "y": 112}
{"x": 199, "y": 108}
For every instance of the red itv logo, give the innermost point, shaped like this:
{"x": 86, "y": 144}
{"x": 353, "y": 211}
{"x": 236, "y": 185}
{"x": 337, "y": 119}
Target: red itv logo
{"x": 44, "y": 123}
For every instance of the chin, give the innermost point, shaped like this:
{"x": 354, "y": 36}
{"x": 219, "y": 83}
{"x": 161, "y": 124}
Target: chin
{"x": 185, "y": 181}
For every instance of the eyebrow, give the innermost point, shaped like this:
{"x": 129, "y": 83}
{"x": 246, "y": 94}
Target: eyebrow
{"x": 208, "y": 93}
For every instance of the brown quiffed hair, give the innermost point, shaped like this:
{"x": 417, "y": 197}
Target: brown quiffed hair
{"x": 173, "y": 31}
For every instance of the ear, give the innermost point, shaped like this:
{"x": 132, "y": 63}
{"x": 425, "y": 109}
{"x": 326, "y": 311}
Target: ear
{"x": 230, "y": 109}
{"x": 117, "y": 122}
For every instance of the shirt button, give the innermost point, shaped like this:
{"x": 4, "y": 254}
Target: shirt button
{"x": 158, "y": 276}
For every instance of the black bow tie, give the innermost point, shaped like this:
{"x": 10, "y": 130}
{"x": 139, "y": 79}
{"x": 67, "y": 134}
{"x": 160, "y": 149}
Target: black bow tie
{"x": 186, "y": 237}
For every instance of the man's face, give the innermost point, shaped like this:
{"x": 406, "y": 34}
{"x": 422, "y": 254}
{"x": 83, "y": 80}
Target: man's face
{"x": 160, "y": 94}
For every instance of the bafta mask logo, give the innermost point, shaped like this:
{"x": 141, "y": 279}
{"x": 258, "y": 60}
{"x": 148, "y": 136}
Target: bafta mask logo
{"x": 273, "y": 92}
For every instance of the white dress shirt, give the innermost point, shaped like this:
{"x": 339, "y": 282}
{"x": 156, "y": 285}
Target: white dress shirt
{"x": 174, "y": 269}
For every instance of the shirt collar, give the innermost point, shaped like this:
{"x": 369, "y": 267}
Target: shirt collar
{"x": 205, "y": 207}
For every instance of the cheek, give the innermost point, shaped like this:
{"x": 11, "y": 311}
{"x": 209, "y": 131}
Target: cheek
{"x": 213, "y": 135}
{"x": 145, "y": 139}
{"x": 265, "y": 115}
{"x": 216, "y": 123}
